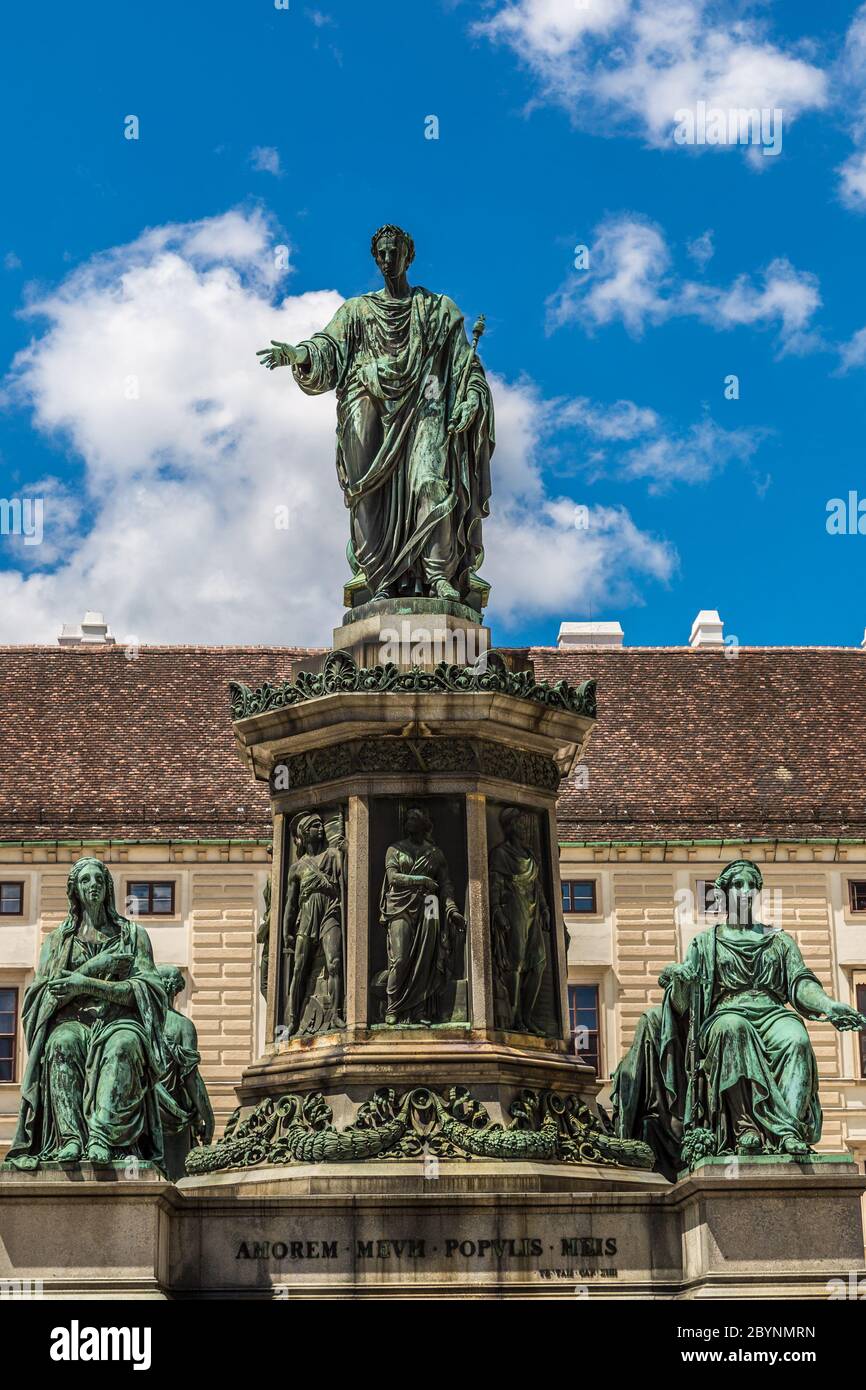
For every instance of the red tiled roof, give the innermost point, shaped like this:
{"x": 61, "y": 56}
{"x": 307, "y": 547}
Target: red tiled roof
{"x": 689, "y": 744}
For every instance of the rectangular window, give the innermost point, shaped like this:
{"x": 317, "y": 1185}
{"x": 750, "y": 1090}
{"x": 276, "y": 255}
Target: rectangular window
{"x": 148, "y": 899}
{"x": 583, "y": 1021}
{"x": 861, "y": 1005}
{"x": 578, "y": 895}
{"x": 11, "y": 899}
{"x": 857, "y": 894}
{"x": 8, "y": 1033}
{"x": 710, "y": 899}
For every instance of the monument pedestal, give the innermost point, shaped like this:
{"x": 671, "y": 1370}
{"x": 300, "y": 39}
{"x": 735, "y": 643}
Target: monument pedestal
{"x": 358, "y": 746}
{"x": 485, "y": 1229}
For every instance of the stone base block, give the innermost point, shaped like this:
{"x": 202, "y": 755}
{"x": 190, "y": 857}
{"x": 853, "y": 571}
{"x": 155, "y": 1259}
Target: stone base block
{"x": 86, "y": 1232}
{"x": 485, "y": 1229}
{"x": 413, "y": 632}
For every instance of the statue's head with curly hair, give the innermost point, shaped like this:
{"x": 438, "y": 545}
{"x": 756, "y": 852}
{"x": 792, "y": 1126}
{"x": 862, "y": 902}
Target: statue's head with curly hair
{"x": 393, "y": 249}
{"x": 172, "y": 979}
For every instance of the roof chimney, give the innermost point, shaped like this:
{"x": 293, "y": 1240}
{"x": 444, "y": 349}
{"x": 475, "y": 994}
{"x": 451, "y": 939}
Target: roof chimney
{"x": 577, "y": 636}
{"x": 707, "y": 630}
{"x": 92, "y": 631}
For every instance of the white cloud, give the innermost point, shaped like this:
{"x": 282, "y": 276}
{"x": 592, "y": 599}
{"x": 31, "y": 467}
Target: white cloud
{"x": 545, "y": 559}
{"x": 144, "y": 367}
{"x": 853, "y": 353}
{"x": 619, "y": 421}
{"x": 265, "y": 159}
{"x": 628, "y": 265}
{"x": 851, "y": 87}
{"x": 702, "y": 249}
{"x": 629, "y": 280}
{"x": 695, "y": 457}
{"x": 786, "y": 299}
{"x": 633, "y": 64}
{"x": 658, "y": 454}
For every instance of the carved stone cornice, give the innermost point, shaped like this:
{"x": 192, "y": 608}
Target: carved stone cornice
{"x": 341, "y": 674}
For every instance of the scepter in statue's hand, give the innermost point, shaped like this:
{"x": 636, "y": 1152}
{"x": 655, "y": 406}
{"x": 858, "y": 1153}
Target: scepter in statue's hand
{"x": 283, "y": 355}
{"x": 466, "y": 403}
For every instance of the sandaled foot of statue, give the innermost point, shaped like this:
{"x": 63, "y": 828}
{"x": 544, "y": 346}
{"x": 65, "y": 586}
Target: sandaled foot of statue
{"x": 70, "y": 1152}
{"x": 442, "y": 589}
{"x": 749, "y": 1144}
{"x": 98, "y": 1153}
{"x": 797, "y": 1148}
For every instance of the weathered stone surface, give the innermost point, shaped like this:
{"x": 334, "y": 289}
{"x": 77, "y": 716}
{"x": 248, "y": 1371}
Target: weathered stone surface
{"x": 422, "y": 1229}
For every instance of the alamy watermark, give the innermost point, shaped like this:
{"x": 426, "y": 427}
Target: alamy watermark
{"x": 846, "y": 516}
{"x": 738, "y": 125}
{"x": 22, "y": 516}
{"x": 414, "y": 645}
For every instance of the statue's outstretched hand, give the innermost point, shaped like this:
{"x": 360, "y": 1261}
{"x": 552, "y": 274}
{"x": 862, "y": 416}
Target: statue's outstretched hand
{"x": 846, "y": 1019}
{"x": 281, "y": 355}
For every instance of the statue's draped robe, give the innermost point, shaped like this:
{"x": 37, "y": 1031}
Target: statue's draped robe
{"x": 757, "y": 1070}
{"x": 418, "y": 939}
{"x": 314, "y": 903}
{"x": 519, "y": 915}
{"x": 176, "y": 1092}
{"x": 112, "y": 1053}
{"x": 417, "y": 496}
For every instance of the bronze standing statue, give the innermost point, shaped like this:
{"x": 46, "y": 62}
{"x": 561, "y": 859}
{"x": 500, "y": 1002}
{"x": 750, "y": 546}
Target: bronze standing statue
{"x": 312, "y": 930}
{"x": 419, "y": 913}
{"x": 414, "y": 430}
{"x": 520, "y": 927}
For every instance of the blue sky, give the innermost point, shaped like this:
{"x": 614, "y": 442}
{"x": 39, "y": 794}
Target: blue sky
{"x": 306, "y": 126}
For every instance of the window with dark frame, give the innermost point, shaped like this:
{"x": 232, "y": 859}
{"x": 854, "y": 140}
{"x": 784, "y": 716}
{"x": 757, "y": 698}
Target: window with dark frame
{"x": 8, "y": 1033}
{"x": 857, "y": 894}
{"x": 578, "y": 895}
{"x": 11, "y": 899}
{"x": 583, "y": 1021}
{"x": 146, "y": 898}
{"x": 861, "y": 1005}
{"x": 709, "y": 896}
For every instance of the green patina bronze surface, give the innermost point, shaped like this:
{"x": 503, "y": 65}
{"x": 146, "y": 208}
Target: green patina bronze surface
{"x": 184, "y": 1105}
{"x": 544, "y": 1127}
{"x": 420, "y": 916}
{"x": 519, "y": 928}
{"x": 94, "y": 1020}
{"x": 340, "y": 674}
{"x": 312, "y": 929}
{"x": 414, "y": 430}
{"x": 263, "y": 939}
{"x": 723, "y": 1065}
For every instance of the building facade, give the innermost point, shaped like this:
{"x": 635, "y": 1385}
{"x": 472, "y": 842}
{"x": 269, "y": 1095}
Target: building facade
{"x": 701, "y": 754}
